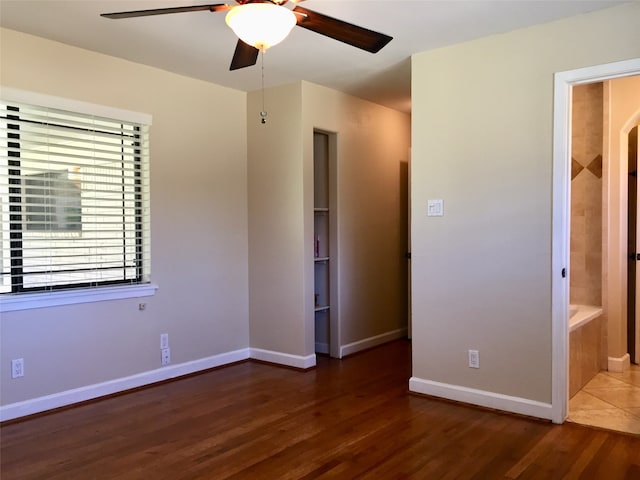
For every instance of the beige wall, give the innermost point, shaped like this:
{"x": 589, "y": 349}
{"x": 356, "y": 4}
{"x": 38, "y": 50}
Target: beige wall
{"x": 276, "y": 222}
{"x": 482, "y": 141}
{"x": 622, "y": 113}
{"x": 198, "y": 223}
{"x": 372, "y": 154}
{"x": 372, "y": 143}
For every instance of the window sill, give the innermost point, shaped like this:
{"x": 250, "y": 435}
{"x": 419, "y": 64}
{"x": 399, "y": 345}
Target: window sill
{"x": 28, "y": 301}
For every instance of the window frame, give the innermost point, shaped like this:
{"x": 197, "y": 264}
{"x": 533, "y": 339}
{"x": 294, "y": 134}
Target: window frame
{"x": 66, "y": 295}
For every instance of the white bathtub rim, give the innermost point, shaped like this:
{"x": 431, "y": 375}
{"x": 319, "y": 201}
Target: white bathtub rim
{"x": 585, "y": 314}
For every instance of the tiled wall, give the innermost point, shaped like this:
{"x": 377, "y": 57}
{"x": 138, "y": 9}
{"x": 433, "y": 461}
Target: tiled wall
{"x": 585, "y": 345}
{"x": 586, "y": 195}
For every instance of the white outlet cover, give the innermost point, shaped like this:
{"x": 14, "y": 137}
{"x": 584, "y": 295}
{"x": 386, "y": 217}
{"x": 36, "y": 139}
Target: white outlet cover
{"x": 17, "y": 368}
{"x": 165, "y": 356}
{"x": 164, "y": 341}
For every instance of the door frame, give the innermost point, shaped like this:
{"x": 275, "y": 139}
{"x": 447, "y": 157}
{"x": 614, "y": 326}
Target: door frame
{"x": 636, "y": 329}
{"x": 561, "y": 217}
{"x": 632, "y": 323}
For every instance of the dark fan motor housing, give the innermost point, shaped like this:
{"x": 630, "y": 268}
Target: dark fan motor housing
{"x": 247, "y": 55}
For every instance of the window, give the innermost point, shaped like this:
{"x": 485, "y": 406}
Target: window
{"x": 75, "y": 194}
{"x": 53, "y": 202}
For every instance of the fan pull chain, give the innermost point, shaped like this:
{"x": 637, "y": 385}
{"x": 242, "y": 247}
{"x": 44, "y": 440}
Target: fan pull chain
{"x": 263, "y": 112}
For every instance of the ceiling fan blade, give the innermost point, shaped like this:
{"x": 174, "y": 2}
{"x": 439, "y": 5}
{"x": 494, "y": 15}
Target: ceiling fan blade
{"x": 343, "y": 31}
{"x": 244, "y": 56}
{"x": 162, "y": 11}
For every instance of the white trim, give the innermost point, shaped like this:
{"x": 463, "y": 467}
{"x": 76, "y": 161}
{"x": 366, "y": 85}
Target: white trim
{"x": 296, "y": 361}
{"x": 23, "y": 96}
{"x": 55, "y": 298}
{"x": 322, "y": 347}
{"x": 90, "y": 392}
{"x": 353, "y": 347}
{"x": 598, "y": 73}
{"x": 482, "y": 398}
{"x": 561, "y": 215}
{"x": 619, "y": 364}
{"x": 560, "y": 253}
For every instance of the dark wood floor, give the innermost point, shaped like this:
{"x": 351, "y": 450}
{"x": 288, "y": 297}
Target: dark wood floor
{"x": 346, "y": 419}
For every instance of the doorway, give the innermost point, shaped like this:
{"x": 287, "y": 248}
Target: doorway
{"x": 633, "y": 249}
{"x": 564, "y": 81}
{"x": 601, "y": 386}
{"x": 325, "y": 244}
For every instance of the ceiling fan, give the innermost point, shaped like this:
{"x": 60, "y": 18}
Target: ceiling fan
{"x": 254, "y": 21}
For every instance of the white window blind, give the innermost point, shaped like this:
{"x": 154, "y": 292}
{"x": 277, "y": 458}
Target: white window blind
{"x": 75, "y": 199}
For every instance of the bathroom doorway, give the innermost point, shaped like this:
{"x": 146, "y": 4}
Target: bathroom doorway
{"x": 603, "y": 231}
{"x": 564, "y": 82}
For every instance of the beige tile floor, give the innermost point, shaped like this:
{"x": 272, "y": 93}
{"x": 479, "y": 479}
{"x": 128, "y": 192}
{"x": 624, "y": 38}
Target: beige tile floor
{"x": 610, "y": 400}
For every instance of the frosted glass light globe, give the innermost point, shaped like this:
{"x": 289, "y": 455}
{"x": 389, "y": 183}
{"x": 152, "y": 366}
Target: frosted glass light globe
{"x": 261, "y": 25}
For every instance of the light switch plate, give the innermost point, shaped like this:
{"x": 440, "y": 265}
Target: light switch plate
{"x": 435, "y": 208}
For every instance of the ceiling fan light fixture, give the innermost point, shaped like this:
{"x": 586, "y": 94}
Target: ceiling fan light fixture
{"x": 261, "y": 25}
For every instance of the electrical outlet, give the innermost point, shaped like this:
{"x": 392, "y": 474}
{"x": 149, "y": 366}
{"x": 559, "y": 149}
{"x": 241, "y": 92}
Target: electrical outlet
{"x": 166, "y": 356}
{"x": 474, "y": 359}
{"x": 164, "y": 341}
{"x": 142, "y": 306}
{"x": 17, "y": 368}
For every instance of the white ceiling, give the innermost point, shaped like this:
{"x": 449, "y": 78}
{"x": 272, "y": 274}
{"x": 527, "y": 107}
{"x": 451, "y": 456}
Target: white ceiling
{"x": 200, "y": 45}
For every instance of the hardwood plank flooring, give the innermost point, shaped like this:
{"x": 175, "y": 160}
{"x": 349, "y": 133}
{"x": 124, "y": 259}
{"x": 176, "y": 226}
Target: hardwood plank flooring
{"x": 344, "y": 420}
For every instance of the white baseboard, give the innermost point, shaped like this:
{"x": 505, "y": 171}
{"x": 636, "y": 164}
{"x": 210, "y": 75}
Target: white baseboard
{"x": 619, "y": 364}
{"x": 89, "y": 392}
{"x": 296, "y": 361}
{"x": 322, "y": 347}
{"x": 482, "y": 398}
{"x": 360, "y": 345}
